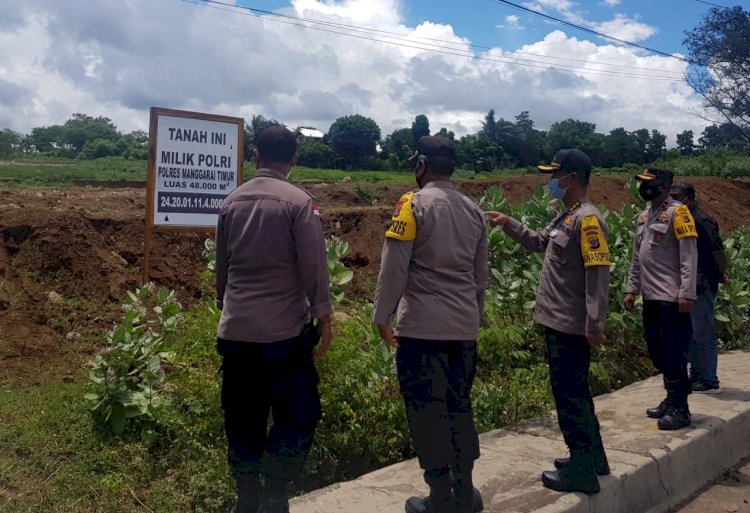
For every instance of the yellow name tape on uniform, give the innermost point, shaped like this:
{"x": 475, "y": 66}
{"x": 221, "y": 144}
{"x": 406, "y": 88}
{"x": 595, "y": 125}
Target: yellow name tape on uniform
{"x": 403, "y": 225}
{"x": 594, "y": 247}
{"x": 684, "y": 225}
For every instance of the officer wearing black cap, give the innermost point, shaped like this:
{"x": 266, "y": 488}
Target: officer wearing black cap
{"x": 433, "y": 275}
{"x": 571, "y": 304}
{"x": 712, "y": 264}
{"x": 664, "y": 270}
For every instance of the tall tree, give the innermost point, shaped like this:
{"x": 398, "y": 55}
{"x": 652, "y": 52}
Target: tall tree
{"x": 354, "y": 138}
{"x": 572, "y": 133}
{"x": 656, "y": 146}
{"x": 82, "y": 128}
{"x": 719, "y": 51}
{"x": 622, "y": 147}
{"x": 400, "y": 143}
{"x": 685, "y": 142}
{"x": 10, "y": 142}
{"x": 419, "y": 128}
{"x": 444, "y": 132}
{"x": 725, "y": 135}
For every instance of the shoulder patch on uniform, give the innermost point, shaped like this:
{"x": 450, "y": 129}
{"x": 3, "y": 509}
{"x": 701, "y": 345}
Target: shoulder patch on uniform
{"x": 684, "y": 225}
{"x": 594, "y": 247}
{"x": 403, "y": 226}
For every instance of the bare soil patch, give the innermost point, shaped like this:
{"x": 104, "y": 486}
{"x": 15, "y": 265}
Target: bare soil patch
{"x": 68, "y": 257}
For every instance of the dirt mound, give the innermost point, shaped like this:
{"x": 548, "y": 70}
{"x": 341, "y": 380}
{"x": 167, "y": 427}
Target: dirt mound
{"x": 68, "y": 257}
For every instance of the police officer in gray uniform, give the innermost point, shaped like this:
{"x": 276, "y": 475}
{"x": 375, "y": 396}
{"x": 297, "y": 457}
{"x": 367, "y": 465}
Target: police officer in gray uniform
{"x": 270, "y": 263}
{"x": 433, "y": 276}
{"x": 571, "y": 304}
{"x": 664, "y": 270}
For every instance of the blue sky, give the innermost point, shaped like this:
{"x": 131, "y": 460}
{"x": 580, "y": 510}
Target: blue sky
{"x": 118, "y": 58}
{"x": 484, "y": 21}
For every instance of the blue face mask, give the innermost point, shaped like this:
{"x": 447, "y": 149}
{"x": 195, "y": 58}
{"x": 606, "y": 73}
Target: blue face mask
{"x": 554, "y": 189}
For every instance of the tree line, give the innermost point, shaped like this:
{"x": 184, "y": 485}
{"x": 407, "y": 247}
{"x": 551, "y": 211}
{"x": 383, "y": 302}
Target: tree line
{"x": 355, "y": 142}
{"x": 81, "y": 136}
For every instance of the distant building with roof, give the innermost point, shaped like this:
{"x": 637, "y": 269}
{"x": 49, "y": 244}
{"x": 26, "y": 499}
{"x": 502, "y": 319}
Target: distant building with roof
{"x": 308, "y": 134}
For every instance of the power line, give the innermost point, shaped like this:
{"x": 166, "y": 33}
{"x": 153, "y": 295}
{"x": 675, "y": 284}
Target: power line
{"x": 299, "y": 22}
{"x": 590, "y": 31}
{"x": 412, "y": 39}
{"x": 715, "y": 5}
{"x": 442, "y": 41}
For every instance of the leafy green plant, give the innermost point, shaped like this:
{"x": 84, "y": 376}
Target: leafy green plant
{"x": 127, "y": 376}
{"x": 367, "y": 193}
{"x": 733, "y": 299}
{"x": 339, "y": 275}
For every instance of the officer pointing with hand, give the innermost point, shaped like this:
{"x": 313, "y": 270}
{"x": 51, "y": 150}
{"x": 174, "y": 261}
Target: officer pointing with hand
{"x": 664, "y": 270}
{"x": 571, "y": 304}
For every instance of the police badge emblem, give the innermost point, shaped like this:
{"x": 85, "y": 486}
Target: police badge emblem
{"x": 594, "y": 243}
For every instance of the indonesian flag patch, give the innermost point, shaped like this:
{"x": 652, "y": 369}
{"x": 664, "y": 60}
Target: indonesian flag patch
{"x": 315, "y": 210}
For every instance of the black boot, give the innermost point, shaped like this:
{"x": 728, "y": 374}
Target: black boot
{"x": 578, "y": 476}
{"x": 601, "y": 465}
{"x": 657, "y": 412}
{"x": 467, "y": 496}
{"x": 248, "y": 494}
{"x": 440, "y": 499}
{"x": 675, "y": 417}
{"x": 275, "y": 498}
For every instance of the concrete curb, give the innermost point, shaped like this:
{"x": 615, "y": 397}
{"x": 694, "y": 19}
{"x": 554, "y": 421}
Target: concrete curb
{"x": 652, "y": 471}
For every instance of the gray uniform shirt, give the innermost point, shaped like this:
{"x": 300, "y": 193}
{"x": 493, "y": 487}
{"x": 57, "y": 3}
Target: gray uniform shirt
{"x": 270, "y": 261}
{"x": 665, "y": 254}
{"x": 573, "y": 292}
{"x": 437, "y": 278}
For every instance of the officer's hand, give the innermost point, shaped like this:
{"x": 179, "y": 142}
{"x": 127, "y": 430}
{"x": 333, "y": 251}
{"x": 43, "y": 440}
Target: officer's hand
{"x": 386, "y": 333}
{"x": 497, "y": 218}
{"x": 629, "y": 302}
{"x": 326, "y": 337}
{"x": 685, "y": 305}
{"x": 595, "y": 340}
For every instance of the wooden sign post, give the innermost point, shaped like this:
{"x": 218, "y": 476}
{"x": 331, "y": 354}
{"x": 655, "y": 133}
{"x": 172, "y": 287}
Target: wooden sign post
{"x": 194, "y": 161}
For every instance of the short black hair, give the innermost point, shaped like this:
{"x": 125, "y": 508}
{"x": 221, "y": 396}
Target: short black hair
{"x": 584, "y": 177}
{"x": 687, "y": 189}
{"x": 441, "y": 165}
{"x": 276, "y": 144}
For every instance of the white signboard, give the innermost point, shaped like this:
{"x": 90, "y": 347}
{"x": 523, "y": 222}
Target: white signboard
{"x": 197, "y": 163}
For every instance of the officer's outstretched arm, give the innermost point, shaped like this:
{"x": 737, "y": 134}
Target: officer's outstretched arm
{"x": 531, "y": 240}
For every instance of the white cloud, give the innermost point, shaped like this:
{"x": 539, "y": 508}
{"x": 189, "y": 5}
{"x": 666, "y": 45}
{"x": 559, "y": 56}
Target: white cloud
{"x": 623, "y": 27}
{"x": 117, "y": 59}
{"x": 512, "y": 22}
{"x": 611, "y": 3}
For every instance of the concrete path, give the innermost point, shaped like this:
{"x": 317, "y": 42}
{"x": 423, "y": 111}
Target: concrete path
{"x": 652, "y": 471}
{"x": 731, "y": 494}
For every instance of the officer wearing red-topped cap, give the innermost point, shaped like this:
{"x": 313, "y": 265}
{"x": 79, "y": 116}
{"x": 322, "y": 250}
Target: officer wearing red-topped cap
{"x": 433, "y": 274}
{"x": 571, "y": 304}
{"x": 664, "y": 271}
{"x": 271, "y": 276}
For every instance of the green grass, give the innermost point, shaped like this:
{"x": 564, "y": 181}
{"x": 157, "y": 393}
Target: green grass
{"x": 45, "y": 172}
{"x": 49, "y": 173}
